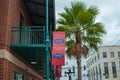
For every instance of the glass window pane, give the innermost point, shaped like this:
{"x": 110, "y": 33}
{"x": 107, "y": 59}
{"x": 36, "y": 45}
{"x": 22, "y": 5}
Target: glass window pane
{"x": 98, "y": 56}
{"x": 113, "y": 64}
{"x": 112, "y": 54}
{"x": 92, "y": 60}
{"x": 105, "y": 64}
{"x": 119, "y": 64}
{"x": 104, "y": 54}
{"x": 96, "y": 72}
{"x": 18, "y": 76}
{"x": 100, "y": 72}
{"x": 95, "y": 59}
{"x": 114, "y": 70}
{"x": 118, "y": 54}
{"x": 106, "y": 71}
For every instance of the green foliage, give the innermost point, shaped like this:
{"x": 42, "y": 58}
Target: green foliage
{"x": 80, "y": 19}
{"x": 70, "y": 43}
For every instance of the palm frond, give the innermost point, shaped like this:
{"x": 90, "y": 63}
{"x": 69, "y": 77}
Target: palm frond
{"x": 70, "y": 43}
{"x": 93, "y": 10}
{"x": 96, "y": 30}
{"x": 69, "y": 55}
{"x": 61, "y": 21}
{"x": 61, "y": 28}
{"x": 85, "y": 17}
{"x": 77, "y": 7}
{"x": 99, "y": 27}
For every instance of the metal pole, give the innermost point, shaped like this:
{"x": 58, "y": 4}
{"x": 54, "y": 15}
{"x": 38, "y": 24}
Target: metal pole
{"x": 47, "y": 42}
{"x": 69, "y": 77}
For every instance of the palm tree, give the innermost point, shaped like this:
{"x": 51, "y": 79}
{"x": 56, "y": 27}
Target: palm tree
{"x": 82, "y": 31}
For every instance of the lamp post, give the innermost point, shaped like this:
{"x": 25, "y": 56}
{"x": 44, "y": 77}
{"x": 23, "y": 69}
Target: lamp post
{"x": 70, "y": 72}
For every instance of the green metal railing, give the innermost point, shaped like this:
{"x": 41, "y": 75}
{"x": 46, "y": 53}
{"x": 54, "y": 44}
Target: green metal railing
{"x": 28, "y": 35}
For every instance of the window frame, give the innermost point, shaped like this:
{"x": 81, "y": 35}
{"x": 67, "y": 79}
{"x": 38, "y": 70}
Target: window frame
{"x": 112, "y": 54}
{"x": 98, "y": 56}
{"x": 119, "y": 54}
{"x": 106, "y": 70}
{"x": 17, "y": 76}
{"x": 104, "y": 54}
{"x": 114, "y": 70}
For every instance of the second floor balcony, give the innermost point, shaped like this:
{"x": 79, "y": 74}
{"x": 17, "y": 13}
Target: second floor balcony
{"x": 28, "y": 36}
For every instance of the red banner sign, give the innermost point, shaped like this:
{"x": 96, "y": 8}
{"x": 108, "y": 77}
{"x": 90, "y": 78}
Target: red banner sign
{"x": 58, "y": 51}
{"x": 58, "y": 72}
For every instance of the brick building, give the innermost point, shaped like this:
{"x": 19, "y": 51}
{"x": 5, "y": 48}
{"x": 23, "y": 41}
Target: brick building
{"x": 25, "y": 27}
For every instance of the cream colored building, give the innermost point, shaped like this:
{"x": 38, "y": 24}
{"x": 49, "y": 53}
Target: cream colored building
{"x": 104, "y": 64}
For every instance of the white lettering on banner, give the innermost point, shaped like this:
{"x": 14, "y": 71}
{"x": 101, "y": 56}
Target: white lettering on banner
{"x": 59, "y": 48}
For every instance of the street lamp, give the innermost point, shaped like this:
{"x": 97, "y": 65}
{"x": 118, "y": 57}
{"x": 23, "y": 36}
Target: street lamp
{"x": 70, "y": 72}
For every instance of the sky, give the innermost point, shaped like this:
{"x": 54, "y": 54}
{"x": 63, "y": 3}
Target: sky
{"x": 109, "y": 15}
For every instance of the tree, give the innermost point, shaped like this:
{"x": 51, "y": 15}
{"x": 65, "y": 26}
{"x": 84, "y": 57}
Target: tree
{"x": 82, "y": 31}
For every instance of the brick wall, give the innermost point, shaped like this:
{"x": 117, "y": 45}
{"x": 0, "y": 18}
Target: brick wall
{"x": 10, "y": 16}
{"x": 4, "y": 5}
{"x": 4, "y": 70}
{"x": 1, "y": 69}
{"x": 7, "y": 70}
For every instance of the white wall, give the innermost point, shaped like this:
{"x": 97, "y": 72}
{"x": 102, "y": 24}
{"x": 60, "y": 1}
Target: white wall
{"x": 101, "y": 61}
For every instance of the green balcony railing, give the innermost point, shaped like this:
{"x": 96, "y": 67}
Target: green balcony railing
{"x": 25, "y": 35}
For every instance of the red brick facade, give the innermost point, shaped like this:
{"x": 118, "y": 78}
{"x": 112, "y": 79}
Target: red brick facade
{"x": 10, "y": 16}
{"x": 7, "y": 70}
{"x": 1, "y": 69}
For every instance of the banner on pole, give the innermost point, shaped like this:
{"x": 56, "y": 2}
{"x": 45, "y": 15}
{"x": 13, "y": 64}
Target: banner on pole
{"x": 58, "y": 71}
{"x": 58, "y": 49}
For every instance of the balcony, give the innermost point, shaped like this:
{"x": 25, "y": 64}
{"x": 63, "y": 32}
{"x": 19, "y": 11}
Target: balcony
{"x": 29, "y": 43}
{"x": 28, "y": 36}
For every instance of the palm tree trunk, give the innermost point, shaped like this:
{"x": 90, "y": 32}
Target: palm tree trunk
{"x": 78, "y": 58}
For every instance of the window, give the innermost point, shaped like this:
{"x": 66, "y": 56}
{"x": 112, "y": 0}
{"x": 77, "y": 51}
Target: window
{"x": 119, "y": 64}
{"x": 118, "y": 54}
{"x": 112, "y": 54}
{"x": 106, "y": 71}
{"x": 96, "y": 73}
{"x": 100, "y": 72}
{"x": 18, "y": 76}
{"x": 92, "y": 60}
{"x": 95, "y": 59}
{"x": 30, "y": 78}
{"x": 91, "y": 74}
{"x": 114, "y": 70}
{"x": 88, "y": 64}
{"x": 104, "y": 55}
{"x": 98, "y": 56}
{"x": 21, "y": 19}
